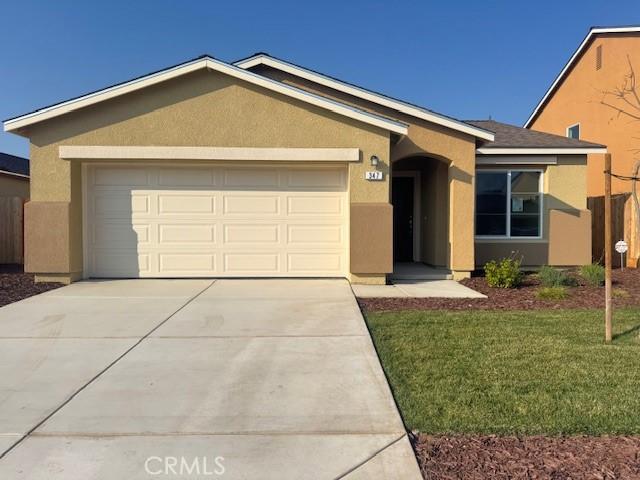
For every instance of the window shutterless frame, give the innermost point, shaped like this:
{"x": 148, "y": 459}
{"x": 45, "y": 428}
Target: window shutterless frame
{"x": 571, "y": 127}
{"x": 508, "y": 235}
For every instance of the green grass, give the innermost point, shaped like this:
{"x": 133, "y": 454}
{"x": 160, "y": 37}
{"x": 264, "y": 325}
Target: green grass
{"x": 542, "y": 372}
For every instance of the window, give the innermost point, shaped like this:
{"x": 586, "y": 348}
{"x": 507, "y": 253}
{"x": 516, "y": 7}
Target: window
{"x": 509, "y": 203}
{"x": 574, "y": 131}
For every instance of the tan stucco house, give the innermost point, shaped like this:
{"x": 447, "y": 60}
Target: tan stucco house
{"x": 265, "y": 168}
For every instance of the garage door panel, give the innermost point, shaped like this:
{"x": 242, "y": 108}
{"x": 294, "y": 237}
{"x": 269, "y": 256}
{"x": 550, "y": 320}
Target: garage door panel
{"x": 119, "y": 234}
{"x": 185, "y": 204}
{"x": 186, "y": 263}
{"x": 251, "y": 179}
{"x": 305, "y": 205}
{"x": 251, "y": 205}
{"x": 250, "y": 263}
{"x": 217, "y": 221}
{"x": 186, "y": 177}
{"x": 242, "y": 234}
{"x": 121, "y": 177}
{"x": 188, "y": 233}
{"x": 308, "y": 235}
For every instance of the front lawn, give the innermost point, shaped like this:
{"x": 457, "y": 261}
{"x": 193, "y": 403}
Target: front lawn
{"x": 526, "y": 372}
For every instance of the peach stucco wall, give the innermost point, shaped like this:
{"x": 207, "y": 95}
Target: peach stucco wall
{"x": 578, "y": 100}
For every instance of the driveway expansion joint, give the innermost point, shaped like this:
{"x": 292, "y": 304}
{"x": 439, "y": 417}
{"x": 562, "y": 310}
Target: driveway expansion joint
{"x": 105, "y": 369}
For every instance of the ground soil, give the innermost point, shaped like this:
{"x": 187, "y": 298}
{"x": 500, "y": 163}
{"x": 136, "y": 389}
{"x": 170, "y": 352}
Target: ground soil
{"x": 16, "y": 285}
{"x": 626, "y": 285}
{"x": 535, "y": 457}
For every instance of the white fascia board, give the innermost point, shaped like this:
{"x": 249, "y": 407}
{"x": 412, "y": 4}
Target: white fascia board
{"x": 570, "y": 63}
{"x": 108, "y": 152}
{"x": 13, "y": 174}
{"x": 541, "y": 151}
{"x": 366, "y": 95}
{"x": 216, "y": 65}
{"x": 516, "y": 160}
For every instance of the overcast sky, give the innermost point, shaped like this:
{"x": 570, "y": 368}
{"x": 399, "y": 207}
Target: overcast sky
{"x": 467, "y": 59}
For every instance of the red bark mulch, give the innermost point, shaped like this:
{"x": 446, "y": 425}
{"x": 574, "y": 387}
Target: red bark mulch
{"x": 626, "y": 286}
{"x": 535, "y": 457}
{"x": 16, "y": 285}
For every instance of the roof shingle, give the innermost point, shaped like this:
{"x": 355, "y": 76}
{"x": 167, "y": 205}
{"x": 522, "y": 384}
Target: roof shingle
{"x": 511, "y": 136}
{"x": 13, "y": 164}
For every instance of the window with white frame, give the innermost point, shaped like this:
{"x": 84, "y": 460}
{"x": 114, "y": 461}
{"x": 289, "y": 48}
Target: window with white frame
{"x": 509, "y": 203}
{"x": 574, "y": 131}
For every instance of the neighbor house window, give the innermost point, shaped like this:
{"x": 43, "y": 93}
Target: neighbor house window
{"x": 574, "y": 131}
{"x": 509, "y": 203}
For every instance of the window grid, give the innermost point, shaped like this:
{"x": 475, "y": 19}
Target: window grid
{"x": 508, "y": 200}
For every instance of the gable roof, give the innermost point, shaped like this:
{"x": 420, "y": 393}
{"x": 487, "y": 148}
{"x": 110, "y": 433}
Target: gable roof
{"x": 511, "y": 139}
{"x": 203, "y": 62}
{"x": 12, "y": 165}
{"x": 416, "y": 111}
{"x": 573, "y": 60}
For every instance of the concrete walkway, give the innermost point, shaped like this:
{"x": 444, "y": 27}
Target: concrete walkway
{"x": 257, "y": 378}
{"x": 417, "y": 289}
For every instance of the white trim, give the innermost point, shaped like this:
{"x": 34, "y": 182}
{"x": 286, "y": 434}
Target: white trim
{"x": 13, "y": 174}
{"x": 572, "y": 60}
{"x": 215, "y": 65}
{"x": 417, "y": 209}
{"x": 508, "y": 236}
{"x": 85, "y": 222}
{"x": 517, "y": 160}
{"x": 541, "y": 151}
{"x": 570, "y": 127}
{"x": 68, "y": 152}
{"x": 383, "y": 100}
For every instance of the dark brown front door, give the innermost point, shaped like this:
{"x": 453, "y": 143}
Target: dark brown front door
{"x": 402, "y": 199}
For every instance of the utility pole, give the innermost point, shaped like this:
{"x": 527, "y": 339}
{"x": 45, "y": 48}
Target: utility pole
{"x": 607, "y": 248}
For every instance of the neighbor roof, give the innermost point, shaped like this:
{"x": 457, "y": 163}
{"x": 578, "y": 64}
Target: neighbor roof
{"x": 378, "y": 98}
{"x": 12, "y": 165}
{"x": 510, "y": 138}
{"x": 573, "y": 60}
{"x": 203, "y": 62}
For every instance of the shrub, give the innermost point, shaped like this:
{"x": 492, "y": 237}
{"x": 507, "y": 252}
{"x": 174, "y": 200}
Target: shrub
{"x": 552, "y": 293}
{"x": 504, "y": 273}
{"x": 593, "y": 274}
{"x": 552, "y": 277}
{"x": 619, "y": 293}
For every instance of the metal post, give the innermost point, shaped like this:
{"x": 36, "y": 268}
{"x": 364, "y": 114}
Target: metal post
{"x": 607, "y": 247}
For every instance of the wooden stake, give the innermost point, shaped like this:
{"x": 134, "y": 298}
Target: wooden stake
{"x": 607, "y": 248}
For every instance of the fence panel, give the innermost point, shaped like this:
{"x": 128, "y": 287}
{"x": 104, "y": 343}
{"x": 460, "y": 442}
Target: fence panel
{"x": 11, "y": 230}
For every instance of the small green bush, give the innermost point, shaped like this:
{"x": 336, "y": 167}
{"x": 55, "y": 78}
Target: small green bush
{"x": 552, "y": 277}
{"x": 593, "y": 274}
{"x": 504, "y": 273}
{"x": 552, "y": 293}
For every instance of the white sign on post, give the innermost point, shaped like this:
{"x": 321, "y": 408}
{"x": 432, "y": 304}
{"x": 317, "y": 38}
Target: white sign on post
{"x": 621, "y": 247}
{"x": 374, "y": 175}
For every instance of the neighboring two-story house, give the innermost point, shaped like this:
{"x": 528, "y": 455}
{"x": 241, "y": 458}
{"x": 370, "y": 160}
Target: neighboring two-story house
{"x": 596, "y": 97}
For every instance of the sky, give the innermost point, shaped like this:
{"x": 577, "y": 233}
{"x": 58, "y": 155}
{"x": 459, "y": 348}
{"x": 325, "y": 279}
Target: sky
{"x": 466, "y": 59}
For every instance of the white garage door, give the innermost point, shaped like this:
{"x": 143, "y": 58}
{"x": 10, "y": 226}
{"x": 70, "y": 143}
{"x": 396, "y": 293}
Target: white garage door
{"x": 216, "y": 221}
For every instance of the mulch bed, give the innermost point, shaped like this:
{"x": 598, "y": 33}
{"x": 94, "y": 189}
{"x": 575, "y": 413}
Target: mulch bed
{"x": 16, "y": 285}
{"x": 626, "y": 284}
{"x": 536, "y": 457}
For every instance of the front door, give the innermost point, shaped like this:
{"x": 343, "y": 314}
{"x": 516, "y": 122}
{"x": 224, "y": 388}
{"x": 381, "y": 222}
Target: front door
{"x": 402, "y": 199}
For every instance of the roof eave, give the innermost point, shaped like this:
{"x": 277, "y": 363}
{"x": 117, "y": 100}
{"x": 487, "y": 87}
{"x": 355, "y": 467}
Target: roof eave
{"x": 541, "y": 150}
{"x": 412, "y": 110}
{"x": 16, "y": 124}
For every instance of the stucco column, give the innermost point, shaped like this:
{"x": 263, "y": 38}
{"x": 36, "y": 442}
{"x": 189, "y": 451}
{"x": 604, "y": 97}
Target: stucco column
{"x": 461, "y": 213}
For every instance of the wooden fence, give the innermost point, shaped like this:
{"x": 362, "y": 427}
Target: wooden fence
{"x": 624, "y": 228}
{"x": 11, "y": 230}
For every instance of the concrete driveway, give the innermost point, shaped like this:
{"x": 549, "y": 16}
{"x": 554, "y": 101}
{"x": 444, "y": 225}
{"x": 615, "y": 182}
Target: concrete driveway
{"x": 234, "y": 379}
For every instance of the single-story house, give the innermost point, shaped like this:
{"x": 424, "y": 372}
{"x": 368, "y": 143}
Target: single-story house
{"x": 14, "y": 176}
{"x": 265, "y": 168}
